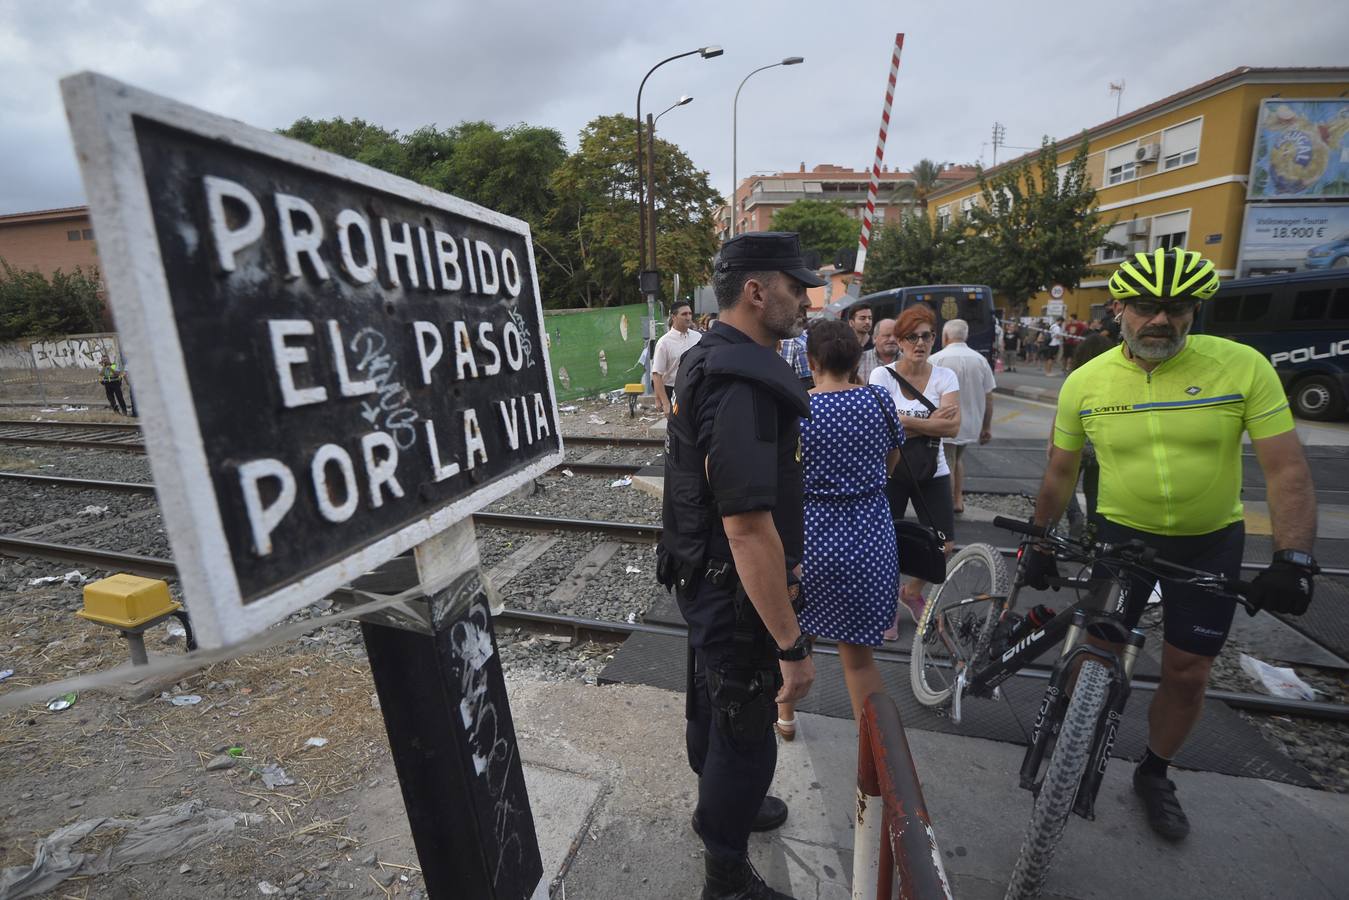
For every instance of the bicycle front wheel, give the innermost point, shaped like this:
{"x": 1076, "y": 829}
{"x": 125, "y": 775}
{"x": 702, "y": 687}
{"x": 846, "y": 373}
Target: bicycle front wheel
{"x": 1062, "y": 777}
{"x": 956, "y": 622}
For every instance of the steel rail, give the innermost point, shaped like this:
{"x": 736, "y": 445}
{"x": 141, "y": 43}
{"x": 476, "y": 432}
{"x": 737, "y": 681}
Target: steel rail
{"x": 623, "y": 530}
{"x": 55, "y": 423}
{"x": 580, "y": 626}
{"x": 591, "y": 440}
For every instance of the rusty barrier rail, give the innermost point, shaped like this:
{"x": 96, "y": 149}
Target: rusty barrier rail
{"x": 894, "y": 834}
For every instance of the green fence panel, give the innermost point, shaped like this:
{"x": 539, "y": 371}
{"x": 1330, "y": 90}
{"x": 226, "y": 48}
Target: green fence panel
{"x": 594, "y": 350}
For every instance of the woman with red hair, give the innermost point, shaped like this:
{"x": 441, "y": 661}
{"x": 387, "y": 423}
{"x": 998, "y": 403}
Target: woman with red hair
{"x": 925, "y": 424}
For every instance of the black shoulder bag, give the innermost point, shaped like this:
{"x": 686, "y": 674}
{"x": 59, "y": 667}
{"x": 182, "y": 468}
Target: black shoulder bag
{"x": 920, "y": 451}
{"x": 922, "y": 548}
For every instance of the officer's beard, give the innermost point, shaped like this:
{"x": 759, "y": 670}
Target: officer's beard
{"x": 781, "y": 322}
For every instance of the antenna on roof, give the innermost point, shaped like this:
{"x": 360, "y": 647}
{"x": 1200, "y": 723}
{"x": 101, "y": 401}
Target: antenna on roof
{"x": 1117, "y": 88}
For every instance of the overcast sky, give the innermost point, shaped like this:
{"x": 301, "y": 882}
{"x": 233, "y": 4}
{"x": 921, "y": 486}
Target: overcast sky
{"x": 1037, "y": 67}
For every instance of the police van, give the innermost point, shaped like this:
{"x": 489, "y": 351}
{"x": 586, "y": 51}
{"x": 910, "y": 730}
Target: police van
{"x": 1300, "y": 322}
{"x": 973, "y": 303}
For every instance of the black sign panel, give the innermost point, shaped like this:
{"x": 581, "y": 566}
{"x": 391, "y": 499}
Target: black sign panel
{"x": 354, "y": 368}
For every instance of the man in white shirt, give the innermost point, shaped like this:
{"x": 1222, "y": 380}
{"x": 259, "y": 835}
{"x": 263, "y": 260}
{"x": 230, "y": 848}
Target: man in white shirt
{"x": 669, "y": 350}
{"x": 976, "y": 401}
{"x": 1055, "y": 353}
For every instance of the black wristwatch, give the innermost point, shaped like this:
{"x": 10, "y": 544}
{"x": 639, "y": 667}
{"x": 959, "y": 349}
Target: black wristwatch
{"x": 798, "y": 651}
{"x": 1299, "y": 558}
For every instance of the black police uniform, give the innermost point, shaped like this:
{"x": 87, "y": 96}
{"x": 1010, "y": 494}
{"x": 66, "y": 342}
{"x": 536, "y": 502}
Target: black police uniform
{"x": 737, "y": 411}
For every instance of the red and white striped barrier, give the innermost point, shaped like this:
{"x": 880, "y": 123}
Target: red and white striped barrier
{"x": 865, "y": 237}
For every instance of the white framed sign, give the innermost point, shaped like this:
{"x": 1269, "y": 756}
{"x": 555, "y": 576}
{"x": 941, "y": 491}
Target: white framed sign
{"x": 333, "y": 363}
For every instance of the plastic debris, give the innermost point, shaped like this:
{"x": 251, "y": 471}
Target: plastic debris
{"x": 316, "y": 742}
{"x": 1277, "y": 680}
{"x": 185, "y": 700}
{"x": 633, "y": 570}
{"x": 268, "y": 889}
{"x": 65, "y": 701}
{"x": 567, "y": 409}
{"x": 632, "y": 618}
{"x": 74, "y": 576}
{"x": 235, "y": 751}
{"x": 274, "y": 776}
{"x": 595, "y": 420}
{"x": 176, "y": 630}
{"x": 171, "y": 832}
{"x": 625, "y": 481}
{"x": 93, "y": 511}
{"x": 569, "y": 473}
{"x": 5, "y": 673}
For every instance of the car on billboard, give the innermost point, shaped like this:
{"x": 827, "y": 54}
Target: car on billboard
{"x": 1300, "y": 322}
{"x": 1330, "y": 255}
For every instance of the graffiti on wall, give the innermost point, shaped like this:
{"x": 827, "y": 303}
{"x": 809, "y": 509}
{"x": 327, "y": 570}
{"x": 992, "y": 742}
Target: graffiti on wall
{"x": 74, "y": 352}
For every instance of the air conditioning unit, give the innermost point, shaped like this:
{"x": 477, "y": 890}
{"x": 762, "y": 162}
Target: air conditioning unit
{"x": 1138, "y": 246}
{"x": 1139, "y": 227}
{"x": 1147, "y": 153}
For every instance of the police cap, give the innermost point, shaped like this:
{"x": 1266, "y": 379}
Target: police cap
{"x": 767, "y": 251}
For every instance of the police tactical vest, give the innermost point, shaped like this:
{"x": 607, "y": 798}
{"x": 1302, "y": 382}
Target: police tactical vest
{"x": 693, "y": 532}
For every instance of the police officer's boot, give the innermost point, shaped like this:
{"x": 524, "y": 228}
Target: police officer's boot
{"x": 736, "y": 880}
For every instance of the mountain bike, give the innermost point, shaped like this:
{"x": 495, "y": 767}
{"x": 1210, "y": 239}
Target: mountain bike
{"x": 970, "y": 639}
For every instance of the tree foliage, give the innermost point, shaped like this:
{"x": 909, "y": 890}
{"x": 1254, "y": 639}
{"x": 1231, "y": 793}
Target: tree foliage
{"x": 581, "y": 208}
{"x": 822, "y": 224}
{"x": 913, "y": 251}
{"x": 1034, "y": 229}
{"x": 926, "y": 174}
{"x": 596, "y": 225}
{"x": 35, "y": 305}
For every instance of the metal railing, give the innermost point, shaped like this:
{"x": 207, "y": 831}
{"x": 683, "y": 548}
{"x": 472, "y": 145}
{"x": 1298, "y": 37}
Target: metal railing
{"x": 894, "y": 836}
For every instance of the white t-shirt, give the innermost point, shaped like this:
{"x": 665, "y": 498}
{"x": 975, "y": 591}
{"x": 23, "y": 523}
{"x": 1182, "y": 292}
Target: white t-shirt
{"x": 976, "y": 382}
{"x": 942, "y": 381}
{"x": 1055, "y": 334}
{"x": 669, "y": 350}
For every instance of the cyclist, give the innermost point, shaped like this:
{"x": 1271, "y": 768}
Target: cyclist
{"x": 1166, "y": 411}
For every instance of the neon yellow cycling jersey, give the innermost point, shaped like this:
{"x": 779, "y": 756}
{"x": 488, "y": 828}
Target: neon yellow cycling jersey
{"x": 1169, "y": 441}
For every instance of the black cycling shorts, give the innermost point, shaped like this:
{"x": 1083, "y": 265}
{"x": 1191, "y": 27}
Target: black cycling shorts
{"x": 1193, "y": 619}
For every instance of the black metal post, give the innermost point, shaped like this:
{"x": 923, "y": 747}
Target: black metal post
{"x": 443, "y": 697}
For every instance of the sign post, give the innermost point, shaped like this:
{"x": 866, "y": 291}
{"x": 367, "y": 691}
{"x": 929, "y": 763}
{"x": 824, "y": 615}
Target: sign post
{"x": 335, "y": 366}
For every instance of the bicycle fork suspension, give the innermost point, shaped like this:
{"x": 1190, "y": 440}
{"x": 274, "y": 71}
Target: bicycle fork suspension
{"x": 1085, "y": 803}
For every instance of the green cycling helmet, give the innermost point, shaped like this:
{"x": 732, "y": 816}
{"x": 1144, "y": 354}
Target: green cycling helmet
{"x": 1173, "y": 274}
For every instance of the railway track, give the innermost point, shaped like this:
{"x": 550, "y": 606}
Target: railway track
{"x": 580, "y": 627}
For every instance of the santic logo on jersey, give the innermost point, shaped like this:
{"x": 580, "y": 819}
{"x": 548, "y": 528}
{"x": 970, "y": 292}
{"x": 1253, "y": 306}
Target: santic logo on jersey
{"x": 1306, "y": 354}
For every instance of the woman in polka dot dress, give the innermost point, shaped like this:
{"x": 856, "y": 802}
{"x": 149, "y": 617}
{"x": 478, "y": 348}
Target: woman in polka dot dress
{"x": 850, "y": 573}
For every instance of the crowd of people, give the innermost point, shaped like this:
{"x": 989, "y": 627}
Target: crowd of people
{"x": 782, "y": 484}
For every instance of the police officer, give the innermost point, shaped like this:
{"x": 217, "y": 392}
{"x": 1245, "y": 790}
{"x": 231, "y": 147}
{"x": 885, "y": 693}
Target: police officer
{"x": 731, "y": 546}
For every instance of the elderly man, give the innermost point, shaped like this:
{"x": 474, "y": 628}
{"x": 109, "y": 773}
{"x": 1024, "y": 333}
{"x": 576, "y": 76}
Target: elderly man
{"x": 671, "y": 347}
{"x": 976, "y": 401}
{"x": 884, "y": 353}
{"x": 732, "y": 547}
{"x": 1166, "y": 412}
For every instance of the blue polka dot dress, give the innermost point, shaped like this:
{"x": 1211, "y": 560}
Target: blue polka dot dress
{"x": 850, "y": 569}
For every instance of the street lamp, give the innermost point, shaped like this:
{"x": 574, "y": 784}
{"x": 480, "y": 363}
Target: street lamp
{"x": 651, "y": 177}
{"x": 735, "y": 108}
{"x": 650, "y": 280}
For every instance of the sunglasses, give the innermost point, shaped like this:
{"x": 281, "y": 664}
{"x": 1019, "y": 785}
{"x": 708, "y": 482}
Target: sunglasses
{"x": 923, "y": 338}
{"x": 1175, "y": 309}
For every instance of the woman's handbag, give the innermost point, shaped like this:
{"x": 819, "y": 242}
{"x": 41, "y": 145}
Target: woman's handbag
{"x": 922, "y": 549}
{"x": 920, "y": 451}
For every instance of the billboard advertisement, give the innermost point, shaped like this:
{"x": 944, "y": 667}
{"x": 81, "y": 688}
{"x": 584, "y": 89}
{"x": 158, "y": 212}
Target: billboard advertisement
{"x": 1301, "y": 150}
{"x": 1294, "y": 237}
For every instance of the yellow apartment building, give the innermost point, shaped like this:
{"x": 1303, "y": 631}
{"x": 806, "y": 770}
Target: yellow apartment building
{"x": 1177, "y": 172}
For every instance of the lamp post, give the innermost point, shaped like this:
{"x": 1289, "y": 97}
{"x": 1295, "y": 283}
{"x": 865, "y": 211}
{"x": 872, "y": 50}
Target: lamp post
{"x": 650, "y": 279}
{"x": 651, "y": 179}
{"x": 735, "y": 108}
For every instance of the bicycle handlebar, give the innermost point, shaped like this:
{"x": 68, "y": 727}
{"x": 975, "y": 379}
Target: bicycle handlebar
{"x": 1137, "y": 555}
